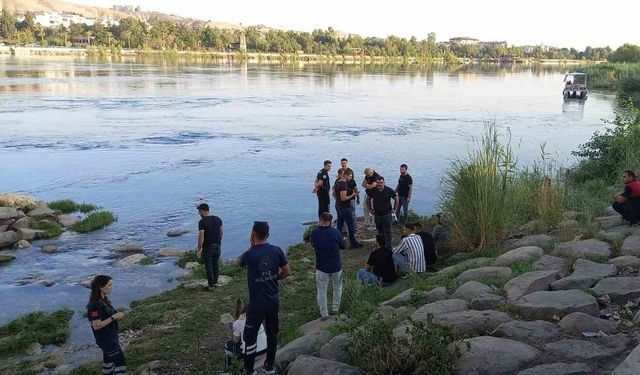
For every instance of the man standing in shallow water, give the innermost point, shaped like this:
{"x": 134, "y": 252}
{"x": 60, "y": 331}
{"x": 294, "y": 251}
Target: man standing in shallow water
{"x": 266, "y": 264}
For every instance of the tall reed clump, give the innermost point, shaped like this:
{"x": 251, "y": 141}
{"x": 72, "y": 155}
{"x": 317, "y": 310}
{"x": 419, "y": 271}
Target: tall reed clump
{"x": 475, "y": 193}
{"x": 486, "y": 196}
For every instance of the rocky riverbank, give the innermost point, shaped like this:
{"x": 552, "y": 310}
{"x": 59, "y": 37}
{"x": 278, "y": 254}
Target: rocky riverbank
{"x": 537, "y": 305}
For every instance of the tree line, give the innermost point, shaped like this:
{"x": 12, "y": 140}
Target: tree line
{"x": 167, "y": 35}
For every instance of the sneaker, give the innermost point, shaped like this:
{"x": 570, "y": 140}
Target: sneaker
{"x": 323, "y": 318}
{"x": 404, "y": 276}
{"x": 267, "y": 371}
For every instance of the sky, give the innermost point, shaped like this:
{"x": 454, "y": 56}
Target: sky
{"x": 556, "y": 23}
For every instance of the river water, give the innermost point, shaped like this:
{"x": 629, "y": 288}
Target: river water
{"x": 149, "y": 139}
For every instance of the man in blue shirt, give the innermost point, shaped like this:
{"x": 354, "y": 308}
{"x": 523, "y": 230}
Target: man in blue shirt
{"x": 327, "y": 242}
{"x": 266, "y": 264}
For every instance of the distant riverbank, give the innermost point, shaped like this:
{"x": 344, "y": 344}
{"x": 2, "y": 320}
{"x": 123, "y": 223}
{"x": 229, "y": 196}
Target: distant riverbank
{"x": 271, "y": 57}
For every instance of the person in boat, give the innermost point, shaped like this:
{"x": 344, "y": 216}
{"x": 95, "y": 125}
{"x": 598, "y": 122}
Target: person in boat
{"x": 627, "y": 202}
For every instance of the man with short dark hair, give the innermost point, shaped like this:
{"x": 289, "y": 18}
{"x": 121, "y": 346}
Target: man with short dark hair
{"x": 430, "y": 254}
{"x": 266, "y": 264}
{"x": 322, "y": 186}
{"x": 378, "y": 202}
{"x": 343, "y": 198}
{"x": 209, "y": 239}
{"x": 409, "y": 254}
{"x": 627, "y": 203}
{"x": 353, "y": 187}
{"x": 368, "y": 183}
{"x": 404, "y": 190}
{"x": 327, "y": 242}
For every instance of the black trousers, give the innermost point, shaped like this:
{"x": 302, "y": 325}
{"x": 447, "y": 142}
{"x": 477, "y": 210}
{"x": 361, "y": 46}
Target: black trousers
{"x": 113, "y": 362}
{"x": 211, "y": 257}
{"x": 383, "y": 225}
{"x": 255, "y": 317}
{"x": 323, "y": 202}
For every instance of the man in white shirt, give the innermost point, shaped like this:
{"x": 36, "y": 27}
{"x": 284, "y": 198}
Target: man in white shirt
{"x": 409, "y": 254}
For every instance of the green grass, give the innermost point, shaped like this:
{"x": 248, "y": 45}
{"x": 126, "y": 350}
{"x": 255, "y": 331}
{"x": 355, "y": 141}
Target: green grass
{"x": 487, "y": 196}
{"x": 67, "y": 206}
{"x": 430, "y": 350}
{"x": 521, "y": 267}
{"x": 38, "y": 327}
{"x": 51, "y": 229}
{"x": 94, "y": 221}
{"x": 5, "y": 259}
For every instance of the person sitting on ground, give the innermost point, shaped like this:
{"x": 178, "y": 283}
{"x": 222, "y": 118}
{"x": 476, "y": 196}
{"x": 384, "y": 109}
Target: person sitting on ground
{"x": 327, "y": 242}
{"x": 409, "y": 254}
{"x": 379, "y": 268}
{"x": 439, "y": 233}
{"x": 234, "y": 348}
{"x": 627, "y": 203}
{"x": 430, "y": 254}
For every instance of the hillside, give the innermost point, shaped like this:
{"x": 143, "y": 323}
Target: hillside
{"x": 22, "y": 6}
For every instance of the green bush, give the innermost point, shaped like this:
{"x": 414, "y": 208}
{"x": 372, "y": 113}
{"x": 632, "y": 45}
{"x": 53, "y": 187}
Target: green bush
{"x": 427, "y": 349}
{"x": 94, "y": 221}
{"x": 37, "y": 327}
{"x": 51, "y": 229}
{"x": 607, "y": 154}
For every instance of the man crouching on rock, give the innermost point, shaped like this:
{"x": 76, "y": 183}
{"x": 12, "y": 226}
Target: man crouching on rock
{"x": 266, "y": 264}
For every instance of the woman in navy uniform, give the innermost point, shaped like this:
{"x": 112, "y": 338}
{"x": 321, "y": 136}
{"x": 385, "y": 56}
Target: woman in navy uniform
{"x": 104, "y": 324}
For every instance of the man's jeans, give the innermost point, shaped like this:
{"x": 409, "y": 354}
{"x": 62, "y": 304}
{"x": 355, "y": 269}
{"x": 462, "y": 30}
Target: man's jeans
{"x": 367, "y": 277}
{"x": 345, "y": 215}
{"x": 211, "y": 257}
{"x": 383, "y": 225}
{"x": 402, "y": 263}
{"x": 404, "y": 205}
{"x": 322, "y": 284}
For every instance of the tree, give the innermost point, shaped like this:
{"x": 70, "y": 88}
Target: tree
{"x": 29, "y": 22}
{"x": 7, "y": 25}
{"x": 626, "y": 53}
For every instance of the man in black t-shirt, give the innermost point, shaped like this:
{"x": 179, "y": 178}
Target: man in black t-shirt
{"x": 368, "y": 183}
{"x": 209, "y": 240}
{"x": 266, "y": 264}
{"x": 404, "y": 190}
{"x": 353, "y": 188}
{"x": 343, "y": 197}
{"x": 379, "y": 203}
{"x": 322, "y": 187}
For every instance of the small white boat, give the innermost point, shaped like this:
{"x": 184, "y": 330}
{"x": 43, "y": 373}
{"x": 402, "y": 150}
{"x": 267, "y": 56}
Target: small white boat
{"x": 575, "y": 86}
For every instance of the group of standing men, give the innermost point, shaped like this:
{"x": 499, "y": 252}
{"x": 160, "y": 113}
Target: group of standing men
{"x": 381, "y": 204}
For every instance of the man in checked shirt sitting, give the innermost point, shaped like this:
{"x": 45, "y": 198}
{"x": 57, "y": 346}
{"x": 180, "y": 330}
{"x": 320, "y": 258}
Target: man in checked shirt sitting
{"x": 409, "y": 254}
